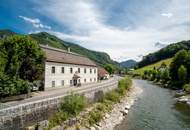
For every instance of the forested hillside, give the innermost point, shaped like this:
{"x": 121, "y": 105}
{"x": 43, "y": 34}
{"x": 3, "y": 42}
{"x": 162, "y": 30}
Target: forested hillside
{"x": 128, "y": 63}
{"x": 166, "y": 52}
{"x": 45, "y": 38}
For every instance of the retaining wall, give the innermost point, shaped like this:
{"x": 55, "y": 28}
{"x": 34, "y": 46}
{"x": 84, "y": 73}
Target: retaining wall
{"x": 20, "y": 116}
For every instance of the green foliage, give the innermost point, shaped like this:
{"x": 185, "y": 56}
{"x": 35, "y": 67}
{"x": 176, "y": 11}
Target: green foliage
{"x": 73, "y": 104}
{"x": 110, "y": 68}
{"x": 11, "y": 86}
{"x": 165, "y": 76}
{"x": 58, "y": 119}
{"x": 186, "y": 87}
{"x": 178, "y": 60}
{"x": 124, "y": 85}
{"x": 112, "y": 96}
{"x": 23, "y": 58}
{"x": 94, "y": 117}
{"x": 69, "y": 107}
{"x": 179, "y": 68}
{"x": 21, "y": 61}
{"x": 182, "y": 74}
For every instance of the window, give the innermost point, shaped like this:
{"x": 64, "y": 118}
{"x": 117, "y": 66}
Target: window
{"x": 79, "y": 80}
{"x": 63, "y": 70}
{"x": 90, "y": 80}
{"x": 62, "y": 82}
{"x": 85, "y": 70}
{"x": 90, "y": 70}
{"x": 71, "y": 70}
{"x": 53, "y": 83}
{"x": 53, "y": 70}
{"x": 78, "y": 70}
{"x": 71, "y": 82}
{"x": 94, "y": 70}
{"x": 94, "y": 79}
{"x": 85, "y": 80}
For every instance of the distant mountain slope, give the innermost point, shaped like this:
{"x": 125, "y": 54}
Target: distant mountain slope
{"x": 164, "y": 53}
{"x": 45, "y": 38}
{"x": 128, "y": 63}
{"x": 5, "y": 33}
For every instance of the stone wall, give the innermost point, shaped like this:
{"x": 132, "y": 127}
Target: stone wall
{"x": 18, "y": 117}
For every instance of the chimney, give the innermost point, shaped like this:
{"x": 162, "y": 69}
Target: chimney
{"x": 69, "y": 49}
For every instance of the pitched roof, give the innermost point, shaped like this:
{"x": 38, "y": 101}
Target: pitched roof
{"x": 102, "y": 72}
{"x": 63, "y": 56}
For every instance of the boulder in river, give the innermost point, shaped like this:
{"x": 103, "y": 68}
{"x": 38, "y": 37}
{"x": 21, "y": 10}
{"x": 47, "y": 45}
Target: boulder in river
{"x": 124, "y": 112}
{"x": 183, "y": 99}
{"x": 127, "y": 107}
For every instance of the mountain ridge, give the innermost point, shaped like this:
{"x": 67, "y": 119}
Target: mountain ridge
{"x": 44, "y": 38}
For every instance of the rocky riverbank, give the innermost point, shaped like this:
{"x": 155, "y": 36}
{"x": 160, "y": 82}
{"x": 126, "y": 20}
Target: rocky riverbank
{"x": 120, "y": 110}
{"x": 184, "y": 99}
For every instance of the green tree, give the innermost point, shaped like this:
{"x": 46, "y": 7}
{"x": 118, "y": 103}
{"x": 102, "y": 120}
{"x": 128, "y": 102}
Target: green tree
{"x": 110, "y": 68}
{"x": 165, "y": 76}
{"x": 22, "y": 58}
{"x": 182, "y": 74}
{"x": 21, "y": 62}
{"x": 179, "y": 59}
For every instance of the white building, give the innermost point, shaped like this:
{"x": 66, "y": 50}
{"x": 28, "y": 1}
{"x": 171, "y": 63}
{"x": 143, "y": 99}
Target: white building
{"x": 65, "y": 68}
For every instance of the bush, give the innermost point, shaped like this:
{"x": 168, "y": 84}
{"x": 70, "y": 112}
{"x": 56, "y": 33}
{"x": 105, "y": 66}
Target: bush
{"x": 112, "y": 96}
{"x": 186, "y": 87}
{"x": 58, "y": 118}
{"x": 73, "y": 104}
{"x": 12, "y": 86}
{"x": 94, "y": 117}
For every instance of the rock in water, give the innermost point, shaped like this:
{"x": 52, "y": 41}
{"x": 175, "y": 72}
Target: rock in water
{"x": 127, "y": 107}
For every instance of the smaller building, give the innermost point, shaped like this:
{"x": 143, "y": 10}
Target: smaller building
{"x": 102, "y": 74}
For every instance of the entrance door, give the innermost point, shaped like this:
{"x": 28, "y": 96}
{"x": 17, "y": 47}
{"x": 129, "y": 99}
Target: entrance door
{"x": 75, "y": 82}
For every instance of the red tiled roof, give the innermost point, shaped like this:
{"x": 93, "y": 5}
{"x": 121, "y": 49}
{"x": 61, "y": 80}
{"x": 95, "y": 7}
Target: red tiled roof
{"x": 102, "y": 72}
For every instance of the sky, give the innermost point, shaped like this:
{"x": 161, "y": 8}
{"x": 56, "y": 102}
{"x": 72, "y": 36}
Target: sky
{"x": 125, "y": 29}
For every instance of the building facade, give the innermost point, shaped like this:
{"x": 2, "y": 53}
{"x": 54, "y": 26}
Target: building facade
{"x": 65, "y": 69}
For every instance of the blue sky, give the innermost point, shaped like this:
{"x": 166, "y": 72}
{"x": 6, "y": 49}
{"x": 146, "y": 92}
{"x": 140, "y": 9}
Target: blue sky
{"x": 124, "y": 29}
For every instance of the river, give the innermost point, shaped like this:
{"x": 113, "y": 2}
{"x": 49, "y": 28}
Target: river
{"x": 156, "y": 109}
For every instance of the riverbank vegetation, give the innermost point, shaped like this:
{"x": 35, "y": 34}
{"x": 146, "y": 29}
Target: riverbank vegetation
{"x": 77, "y": 106}
{"x": 21, "y": 64}
{"x": 173, "y": 74}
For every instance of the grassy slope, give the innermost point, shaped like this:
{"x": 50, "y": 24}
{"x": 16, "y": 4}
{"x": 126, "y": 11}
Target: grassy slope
{"x": 150, "y": 67}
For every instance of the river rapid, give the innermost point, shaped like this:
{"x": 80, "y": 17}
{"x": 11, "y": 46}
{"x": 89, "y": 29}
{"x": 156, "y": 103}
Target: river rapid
{"x": 156, "y": 109}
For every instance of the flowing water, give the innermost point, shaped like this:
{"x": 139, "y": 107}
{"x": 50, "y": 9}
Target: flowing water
{"x": 156, "y": 109}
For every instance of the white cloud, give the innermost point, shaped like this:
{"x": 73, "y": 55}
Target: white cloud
{"x": 167, "y": 15}
{"x": 87, "y": 25}
{"x": 35, "y": 22}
